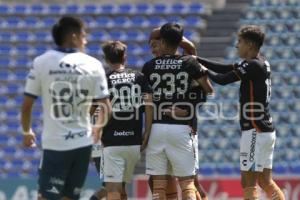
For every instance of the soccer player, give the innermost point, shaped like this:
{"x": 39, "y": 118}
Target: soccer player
{"x": 197, "y": 96}
{"x": 258, "y": 133}
{"x": 68, "y": 81}
{"x": 122, "y": 136}
{"x": 170, "y": 76}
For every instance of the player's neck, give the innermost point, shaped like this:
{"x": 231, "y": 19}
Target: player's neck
{"x": 169, "y": 51}
{"x": 118, "y": 67}
{"x": 252, "y": 55}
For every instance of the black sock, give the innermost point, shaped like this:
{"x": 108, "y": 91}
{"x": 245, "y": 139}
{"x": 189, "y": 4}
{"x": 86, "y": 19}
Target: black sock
{"x": 94, "y": 198}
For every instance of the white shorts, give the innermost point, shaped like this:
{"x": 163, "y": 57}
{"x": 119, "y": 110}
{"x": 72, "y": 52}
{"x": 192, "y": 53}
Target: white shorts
{"x": 170, "y": 147}
{"x": 119, "y": 162}
{"x": 256, "y": 150}
{"x": 195, "y": 143}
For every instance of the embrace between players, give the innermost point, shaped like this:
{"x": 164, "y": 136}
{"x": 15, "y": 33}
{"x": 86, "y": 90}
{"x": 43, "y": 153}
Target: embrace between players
{"x": 163, "y": 93}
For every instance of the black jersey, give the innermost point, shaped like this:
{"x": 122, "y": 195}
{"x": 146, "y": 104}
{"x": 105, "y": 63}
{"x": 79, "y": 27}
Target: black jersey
{"x": 255, "y": 94}
{"x": 126, "y": 94}
{"x": 170, "y": 77}
{"x": 197, "y": 97}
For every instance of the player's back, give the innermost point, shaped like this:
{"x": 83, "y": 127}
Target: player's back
{"x": 125, "y": 126}
{"x": 67, "y": 85}
{"x": 170, "y": 77}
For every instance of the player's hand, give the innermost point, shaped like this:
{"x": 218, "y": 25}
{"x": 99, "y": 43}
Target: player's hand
{"x": 96, "y": 134}
{"x": 29, "y": 140}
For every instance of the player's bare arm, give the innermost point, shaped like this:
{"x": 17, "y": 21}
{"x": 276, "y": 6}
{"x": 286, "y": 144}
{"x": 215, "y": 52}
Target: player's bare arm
{"x": 148, "y": 119}
{"x": 188, "y": 47}
{"x": 206, "y": 85}
{"x": 104, "y": 115}
{"x": 28, "y": 134}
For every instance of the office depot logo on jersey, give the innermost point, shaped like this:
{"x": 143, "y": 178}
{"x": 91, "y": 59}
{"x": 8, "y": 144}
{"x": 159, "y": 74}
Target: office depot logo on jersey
{"x": 122, "y": 78}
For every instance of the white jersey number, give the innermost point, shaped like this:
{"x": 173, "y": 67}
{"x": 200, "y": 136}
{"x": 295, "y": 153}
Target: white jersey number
{"x": 169, "y": 80}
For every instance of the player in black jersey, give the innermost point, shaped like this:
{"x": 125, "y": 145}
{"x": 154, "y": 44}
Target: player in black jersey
{"x": 122, "y": 136}
{"x": 170, "y": 76}
{"x": 258, "y": 134}
{"x": 197, "y": 97}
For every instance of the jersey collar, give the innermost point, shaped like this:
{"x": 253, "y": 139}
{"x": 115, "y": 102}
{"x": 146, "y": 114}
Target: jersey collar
{"x": 66, "y": 50}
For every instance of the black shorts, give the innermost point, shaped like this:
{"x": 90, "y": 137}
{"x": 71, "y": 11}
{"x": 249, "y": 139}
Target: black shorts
{"x": 63, "y": 173}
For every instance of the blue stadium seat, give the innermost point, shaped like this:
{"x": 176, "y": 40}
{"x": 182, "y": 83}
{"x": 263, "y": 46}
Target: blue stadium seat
{"x": 23, "y": 36}
{"x": 5, "y": 49}
{"x": 55, "y": 9}
{"x": 23, "y": 49}
{"x": 9, "y": 151}
{"x": 133, "y": 49}
{"x": 225, "y": 168}
{"x": 125, "y": 8}
{"x": 94, "y": 48}
{"x": 4, "y": 9}
{"x": 42, "y": 36}
{"x": 139, "y": 21}
{"x": 39, "y": 49}
{"x": 107, "y": 9}
{"x": 99, "y": 36}
{"x": 31, "y": 22}
{"x": 72, "y": 8}
{"x": 5, "y": 36}
{"x": 142, "y": 8}
{"x": 37, "y": 9}
{"x": 91, "y": 9}
{"x": 160, "y": 8}
{"x": 295, "y": 167}
{"x": 193, "y": 21}
{"x": 3, "y": 139}
{"x": 4, "y": 62}
{"x": 48, "y": 21}
{"x": 207, "y": 169}
{"x": 134, "y": 35}
{"x": 19, "y": 9}
{"x": 178, "y": 8}
{"x": 4, "y": 75}
{"x": 121, "y": 21}
{"x": 156, "y": 21}
{"x": 89, "y": 21}
{"x": 104, "y": 21}
{"x": 195, "y": 8}
{"x": 174, "y": 18}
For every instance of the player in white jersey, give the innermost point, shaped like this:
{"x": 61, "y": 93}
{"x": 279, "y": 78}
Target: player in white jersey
{"x": 69, "y": 82}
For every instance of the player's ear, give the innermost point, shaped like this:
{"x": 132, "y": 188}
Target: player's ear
{"x": 124, "y": 58}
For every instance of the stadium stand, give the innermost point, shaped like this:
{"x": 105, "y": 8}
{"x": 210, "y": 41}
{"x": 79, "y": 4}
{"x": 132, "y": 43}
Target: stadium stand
{"x": 25, "y": 34}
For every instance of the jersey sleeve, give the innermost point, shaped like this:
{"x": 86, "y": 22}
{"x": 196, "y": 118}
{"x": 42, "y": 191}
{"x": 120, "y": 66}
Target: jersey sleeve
{"x": 100, "y": 84}
{"x": 195, "y": 69}
{"x": 247, "y": 70}
{"x": 33, "y": 82}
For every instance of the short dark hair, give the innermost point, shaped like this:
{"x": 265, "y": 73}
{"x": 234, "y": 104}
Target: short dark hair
{"x": 253, "y": 34}
{"x": 64, "y": 27}
{"x": 114, "y": 51}
{"x": 172, "y": 34}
